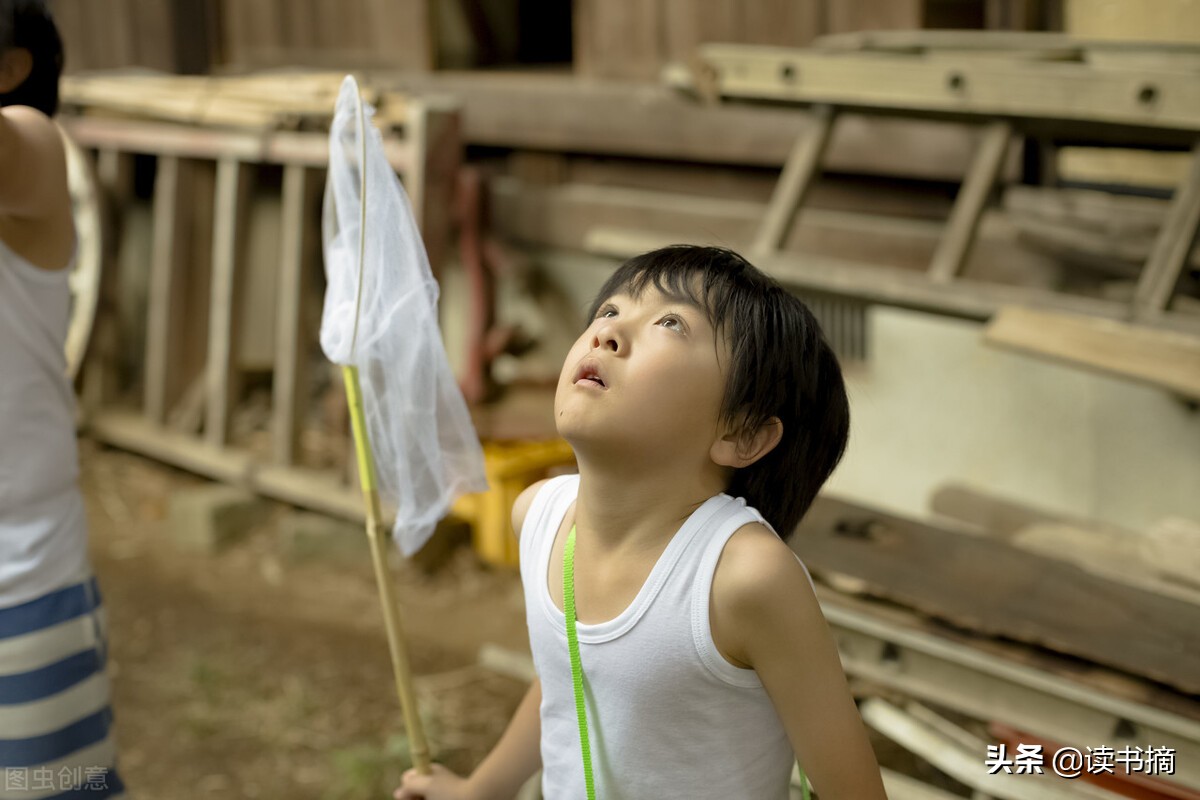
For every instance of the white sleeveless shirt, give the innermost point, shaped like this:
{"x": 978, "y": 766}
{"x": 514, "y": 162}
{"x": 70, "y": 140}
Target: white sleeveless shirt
{"x": 668, "y": 716}
{"x": 42, "y": 524}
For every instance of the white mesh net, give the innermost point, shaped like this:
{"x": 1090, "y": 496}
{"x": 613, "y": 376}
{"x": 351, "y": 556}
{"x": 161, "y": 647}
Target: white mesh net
{"x": 425, "y": 447}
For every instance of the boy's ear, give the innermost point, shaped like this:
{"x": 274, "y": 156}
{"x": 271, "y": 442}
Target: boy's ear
{"x": 740, "y": 447}
{"x": 15, "y": 65}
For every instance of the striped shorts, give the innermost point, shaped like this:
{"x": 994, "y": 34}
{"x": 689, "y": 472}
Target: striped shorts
{"x": 56, "y": 737}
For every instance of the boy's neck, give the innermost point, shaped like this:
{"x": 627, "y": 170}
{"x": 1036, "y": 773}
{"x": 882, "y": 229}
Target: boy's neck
{"x": 619, "y": 506}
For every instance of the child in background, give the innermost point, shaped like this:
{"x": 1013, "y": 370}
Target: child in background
{"x": 55, "y": 719}
{"x": 705, "y": 409}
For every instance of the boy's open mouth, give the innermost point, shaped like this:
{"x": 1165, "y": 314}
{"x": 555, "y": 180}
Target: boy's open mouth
{"x": 588, "y": 373}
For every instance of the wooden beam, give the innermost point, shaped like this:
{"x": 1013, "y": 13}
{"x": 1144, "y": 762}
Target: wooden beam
{"x": 163, "y": 304}
{"x": 802, "y": 167}
{"x": 1173, "y": 245}
{"x": 956, "y": 242}
{"x": 222, "y": 330}
{"x": 288, "y": 387}
{"x": 1157, "y": 358}
{"x": 562, "y": 113}
{"x": 1054, "y": 91}
{"x": 318, "y": 490}
{"x": 166, "y": 138}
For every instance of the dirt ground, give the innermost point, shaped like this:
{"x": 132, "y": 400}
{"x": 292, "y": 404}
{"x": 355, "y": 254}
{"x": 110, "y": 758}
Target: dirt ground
{"x": 246, "y": 673}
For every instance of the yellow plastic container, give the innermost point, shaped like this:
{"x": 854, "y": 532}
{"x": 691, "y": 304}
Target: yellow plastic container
{"x": 510, "y": 468}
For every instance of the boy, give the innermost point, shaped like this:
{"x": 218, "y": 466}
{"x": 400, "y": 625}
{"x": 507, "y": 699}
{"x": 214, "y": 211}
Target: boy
{"x": 705, "y": 409}
{"x": 55, "y": 720}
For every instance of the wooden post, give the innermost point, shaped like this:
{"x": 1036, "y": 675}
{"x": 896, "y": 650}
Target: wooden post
{"x": 802, "y": 165}
{"x": 435, "y": 157}
{"x": 1172, "y": 246}
{"x": 288, "y": 388}
{"x": 222, "y": 333}
{"x": 163, "y": 306}
{"x": 955, "y": 246}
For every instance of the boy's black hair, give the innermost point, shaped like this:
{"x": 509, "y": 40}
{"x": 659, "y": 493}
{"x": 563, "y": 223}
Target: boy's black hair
{"x": 781, "y": 366}
{"x": 28, "y": 24}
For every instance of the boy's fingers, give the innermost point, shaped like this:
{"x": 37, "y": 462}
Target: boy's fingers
{"x": 412, "y": 784}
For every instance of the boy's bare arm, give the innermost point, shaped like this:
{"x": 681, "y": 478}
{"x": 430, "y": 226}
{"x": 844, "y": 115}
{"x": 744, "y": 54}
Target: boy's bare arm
{"x": 515, "y": 757}
{"x": 767, "y": 616}
{"x": 500, "y": 776}
{"x": 32, "y": 164}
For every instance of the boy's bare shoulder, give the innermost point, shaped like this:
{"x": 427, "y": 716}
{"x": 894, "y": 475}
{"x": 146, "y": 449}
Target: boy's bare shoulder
{"x": 756, "y": 569}
{"x": 33, "y": 165}
{"x": 521, "y": 505}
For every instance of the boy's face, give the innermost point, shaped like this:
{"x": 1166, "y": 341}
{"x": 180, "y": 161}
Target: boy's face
{"x": 645, "y": 379}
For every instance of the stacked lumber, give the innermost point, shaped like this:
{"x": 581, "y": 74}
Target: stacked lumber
{"x": 283, "y": 101}
{"x": 1014, "y": 625}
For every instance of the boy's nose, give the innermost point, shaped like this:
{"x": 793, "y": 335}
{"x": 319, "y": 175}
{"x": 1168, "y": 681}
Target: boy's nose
{"x": 607, "y": 338}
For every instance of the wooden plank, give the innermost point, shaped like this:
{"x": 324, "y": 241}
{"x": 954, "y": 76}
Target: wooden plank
{"x": 991, "y": 588}
{"x": 171, "y": 183}
{"x": 689, "y": 23}
{"x": 194, "y": 36}
{"x": 222, "y": 334}
{"x": 403, "y": 33}
{"x": 789, "y": 23}
{"x": 956, "y": 243}
{"x": 1156, "y": 358}
{"x": 1173, "y": 244}
{"x": 131, "y": 432}
{"x": 871, "y": 15}
{"x": 569, "y": 215}
{"x": 617, "y": 39}
{"x": 313, "y": 489}
{"x": 988, "y": 513}
{"x": 1121, "y": 215}
{"x": 965, "y": 764}
{"x": 801, "y": 169}
{"x": 164, "y": 138}
{"x": 994, "y": 87}
{"x": 438, "y": 148}
{"x": 1156, "y": 22}
{"x": 263, "y": 42}
{"x": 291, "y": 354}
{"x": 551, "y": 112}
{"x": 1115, "y": 556}
{"x": 300, "y": 26}
{"x": 151, "y": 30}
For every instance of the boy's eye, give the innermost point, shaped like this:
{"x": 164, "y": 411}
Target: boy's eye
{"x": 671, "y": 321}
{"x": 606, "y": 312}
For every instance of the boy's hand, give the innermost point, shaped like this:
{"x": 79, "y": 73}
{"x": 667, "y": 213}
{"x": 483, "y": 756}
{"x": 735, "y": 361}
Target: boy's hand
{"x": 441, "y": 784}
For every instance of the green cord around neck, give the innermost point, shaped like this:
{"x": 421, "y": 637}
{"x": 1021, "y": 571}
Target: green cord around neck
{"x": 576, "y": 665}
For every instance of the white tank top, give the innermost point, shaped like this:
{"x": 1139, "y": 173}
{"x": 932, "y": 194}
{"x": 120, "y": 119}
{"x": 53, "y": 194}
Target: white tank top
{"x": 668, "y": 716}
{"x": 42, "y": 524}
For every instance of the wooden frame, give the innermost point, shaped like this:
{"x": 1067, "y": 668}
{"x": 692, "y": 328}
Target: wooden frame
{"x": 1008, "y": 96}
{"x": 189, "y": 159}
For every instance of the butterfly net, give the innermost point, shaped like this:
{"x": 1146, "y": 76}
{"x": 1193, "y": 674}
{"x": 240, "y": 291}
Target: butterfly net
{"x": 382, "y": 319}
